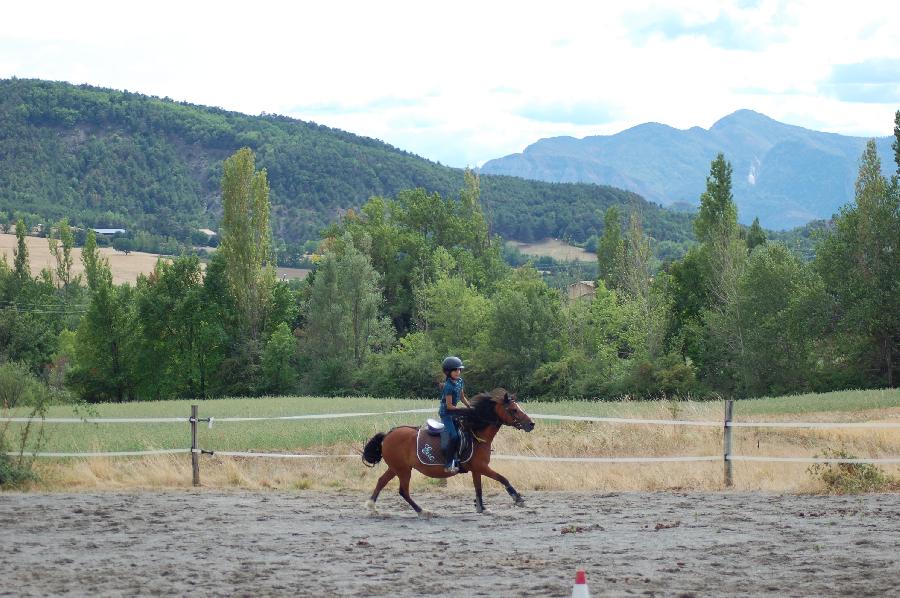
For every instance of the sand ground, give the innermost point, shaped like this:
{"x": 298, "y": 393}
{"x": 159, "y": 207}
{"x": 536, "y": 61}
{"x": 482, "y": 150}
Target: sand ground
{"x": 312, "y": 543}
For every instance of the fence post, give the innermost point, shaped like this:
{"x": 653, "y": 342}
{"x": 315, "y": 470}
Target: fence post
{"x": 195, "y": 456}
{"x": 729, "y": 411}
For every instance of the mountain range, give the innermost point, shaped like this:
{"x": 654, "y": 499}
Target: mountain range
{"x": 118, "y": 159}
{"x": 783, "y": 174}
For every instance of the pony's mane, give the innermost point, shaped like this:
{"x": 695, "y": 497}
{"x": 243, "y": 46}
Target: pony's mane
{"x": 483, "y": 407}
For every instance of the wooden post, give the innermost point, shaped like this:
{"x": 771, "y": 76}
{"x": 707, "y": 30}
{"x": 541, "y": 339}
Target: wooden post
{"x": 729, "y": 411}
{"x": 195, "y": 456}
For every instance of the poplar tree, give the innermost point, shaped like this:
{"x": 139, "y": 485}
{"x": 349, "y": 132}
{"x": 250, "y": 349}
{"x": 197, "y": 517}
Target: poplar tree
{"x": 21, "y": 267}
{"x": 61, "y": 250}
{"x": 611, "y": 249}
{"x": 246, "y": 241}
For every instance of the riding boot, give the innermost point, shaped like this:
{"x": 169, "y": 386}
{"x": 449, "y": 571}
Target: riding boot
{"x": 451, "y": 464}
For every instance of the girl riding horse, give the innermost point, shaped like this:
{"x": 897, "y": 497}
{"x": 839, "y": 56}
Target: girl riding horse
{"x": 397, "y": 447}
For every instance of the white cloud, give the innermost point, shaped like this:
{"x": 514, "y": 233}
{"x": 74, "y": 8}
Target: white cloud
{"x": 454, "y": 82}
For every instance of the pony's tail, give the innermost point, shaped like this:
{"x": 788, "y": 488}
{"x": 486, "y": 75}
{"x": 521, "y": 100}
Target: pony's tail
{"x": 372, "y": 451}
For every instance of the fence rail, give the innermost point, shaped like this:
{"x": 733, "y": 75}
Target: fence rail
{"x": 727, "y": 425}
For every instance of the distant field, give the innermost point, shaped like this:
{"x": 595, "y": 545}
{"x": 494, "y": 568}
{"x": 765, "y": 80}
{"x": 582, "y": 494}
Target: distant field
{"x": 556, "y": 249}
{"x": 557, "y": 438}
{"x": 125, "y": 268}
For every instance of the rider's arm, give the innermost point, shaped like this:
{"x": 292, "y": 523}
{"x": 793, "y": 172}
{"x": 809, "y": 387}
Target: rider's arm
{"x": 448, "y": 401}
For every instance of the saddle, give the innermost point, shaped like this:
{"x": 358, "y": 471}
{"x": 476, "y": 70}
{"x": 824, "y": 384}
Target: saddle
{"x": 428, "y": 444}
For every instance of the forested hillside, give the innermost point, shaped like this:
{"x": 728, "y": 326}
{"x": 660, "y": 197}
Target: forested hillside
{"x": 105, "y": 158}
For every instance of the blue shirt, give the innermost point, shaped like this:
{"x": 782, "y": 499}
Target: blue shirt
{"x": 454, "y": 389}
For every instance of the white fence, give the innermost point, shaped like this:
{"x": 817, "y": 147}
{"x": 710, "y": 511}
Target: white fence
{"x": 727, "y": 425}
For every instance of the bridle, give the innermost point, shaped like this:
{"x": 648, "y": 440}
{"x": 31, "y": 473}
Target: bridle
{"x": 508, "y": 407}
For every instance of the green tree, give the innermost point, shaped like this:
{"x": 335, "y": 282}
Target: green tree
{"x": 717, "y": 217}
{"x": 611, "y": 249}
{"x": 755, "y": 235}
{"x": 784, "y": 307}
{"x": 107, "y": 334}
{"x": 105, "y": 346}
{"x": 246, "y": 243}
{"x": 21, "y": 266}
{"x": 342, "y": 324}
{"x": 171, "y": 315}
{"x": 724, "y": 255}
{"x": 525, "y": 329}
{"x": 860, "y": 263}
{"x": 62, "y": 255}
{"x": 95, "y": 266}
{"x": 896, "y": 144}
{"x": 278, "y": 360}
{"x": 455, "y": 315}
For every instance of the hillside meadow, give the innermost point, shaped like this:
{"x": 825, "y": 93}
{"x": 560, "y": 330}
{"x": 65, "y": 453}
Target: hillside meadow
{"x": 338, "y": 438}
{"x": 558, "y": 250}
{"x": 124, "y": 267}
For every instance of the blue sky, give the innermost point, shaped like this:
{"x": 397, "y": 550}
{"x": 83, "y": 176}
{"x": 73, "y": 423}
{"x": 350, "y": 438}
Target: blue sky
{"x": 463, "y": 82}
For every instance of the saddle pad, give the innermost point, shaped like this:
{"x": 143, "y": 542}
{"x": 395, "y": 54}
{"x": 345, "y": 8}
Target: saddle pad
{"x": 428, "y": 448}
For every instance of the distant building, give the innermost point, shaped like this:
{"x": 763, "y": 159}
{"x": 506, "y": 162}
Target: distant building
{"x": 207, "y": 232}
{"x": 582, "y": 288}
{"x": 109, "y": 231}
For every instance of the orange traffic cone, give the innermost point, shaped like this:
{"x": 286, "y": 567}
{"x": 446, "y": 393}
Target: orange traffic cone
{"x": 580, "y": 589}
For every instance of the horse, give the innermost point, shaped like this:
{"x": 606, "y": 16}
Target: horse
{"x": 490, "y": 411}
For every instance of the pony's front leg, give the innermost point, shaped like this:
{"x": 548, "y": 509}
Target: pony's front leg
{"x": 476, "y": 481}
{"x": 518, "y": 500}
{"x": 404, "y": 492}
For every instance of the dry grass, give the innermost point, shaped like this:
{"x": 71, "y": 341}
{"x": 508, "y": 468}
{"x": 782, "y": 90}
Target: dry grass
{"x": 548, "y": 439}
{"x": 125, "y": 268}
{"x": 556, "y": 249}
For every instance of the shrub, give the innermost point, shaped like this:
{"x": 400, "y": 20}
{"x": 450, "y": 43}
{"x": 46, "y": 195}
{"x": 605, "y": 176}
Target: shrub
{"x": 851, "y": 478}
{"x": 19, "y": 388}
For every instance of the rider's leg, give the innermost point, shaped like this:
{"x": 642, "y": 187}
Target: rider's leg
{"x": 451, "y": 444}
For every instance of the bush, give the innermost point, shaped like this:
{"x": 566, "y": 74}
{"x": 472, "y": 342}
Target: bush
{"x": 851, "y": 478}
{"x": 19, "y": 388}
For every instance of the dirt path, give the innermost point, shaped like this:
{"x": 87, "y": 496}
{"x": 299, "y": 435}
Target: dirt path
{"x": 215, "y": 543}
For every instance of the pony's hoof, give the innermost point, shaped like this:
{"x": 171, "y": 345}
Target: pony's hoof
{"x": 371, "y": 508}
{"x": 484, "y": 512}
{"x": 519, "y": 502}
{"x": 423, "y": 514}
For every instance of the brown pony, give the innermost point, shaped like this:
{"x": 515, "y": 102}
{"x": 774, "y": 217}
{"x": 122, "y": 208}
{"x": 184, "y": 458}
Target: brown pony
{"x": 489, "y": 412}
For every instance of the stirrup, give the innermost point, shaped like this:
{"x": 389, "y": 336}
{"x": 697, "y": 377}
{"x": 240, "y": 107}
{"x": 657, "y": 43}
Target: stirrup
{"x": 451, "y": 467}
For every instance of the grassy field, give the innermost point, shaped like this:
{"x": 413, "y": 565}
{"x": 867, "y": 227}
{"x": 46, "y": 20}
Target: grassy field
{"x": 550, "y": 438}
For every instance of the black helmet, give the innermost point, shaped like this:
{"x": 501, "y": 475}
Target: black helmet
{"x": 451, "y": 363}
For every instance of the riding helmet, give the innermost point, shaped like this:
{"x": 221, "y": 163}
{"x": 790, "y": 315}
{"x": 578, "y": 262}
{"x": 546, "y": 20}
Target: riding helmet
{"x": 451, "y": 363}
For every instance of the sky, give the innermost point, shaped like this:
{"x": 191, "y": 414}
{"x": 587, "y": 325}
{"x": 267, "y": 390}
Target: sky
{"x": 465, "y": 82}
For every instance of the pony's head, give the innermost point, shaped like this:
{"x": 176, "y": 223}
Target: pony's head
{"x": 503, "y": 408}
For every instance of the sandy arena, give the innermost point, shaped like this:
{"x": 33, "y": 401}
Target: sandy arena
{"x": 216, "y": 543}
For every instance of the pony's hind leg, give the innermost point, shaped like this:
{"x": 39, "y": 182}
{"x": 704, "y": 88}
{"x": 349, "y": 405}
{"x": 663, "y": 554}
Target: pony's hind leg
{"x": 404, "y": 492}
{"x": 386, "y": 477}
{"x": 476, "y": 481}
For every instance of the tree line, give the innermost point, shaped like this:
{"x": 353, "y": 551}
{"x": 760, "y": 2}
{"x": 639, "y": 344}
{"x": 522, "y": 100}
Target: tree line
{"x": 406, "y": 280}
